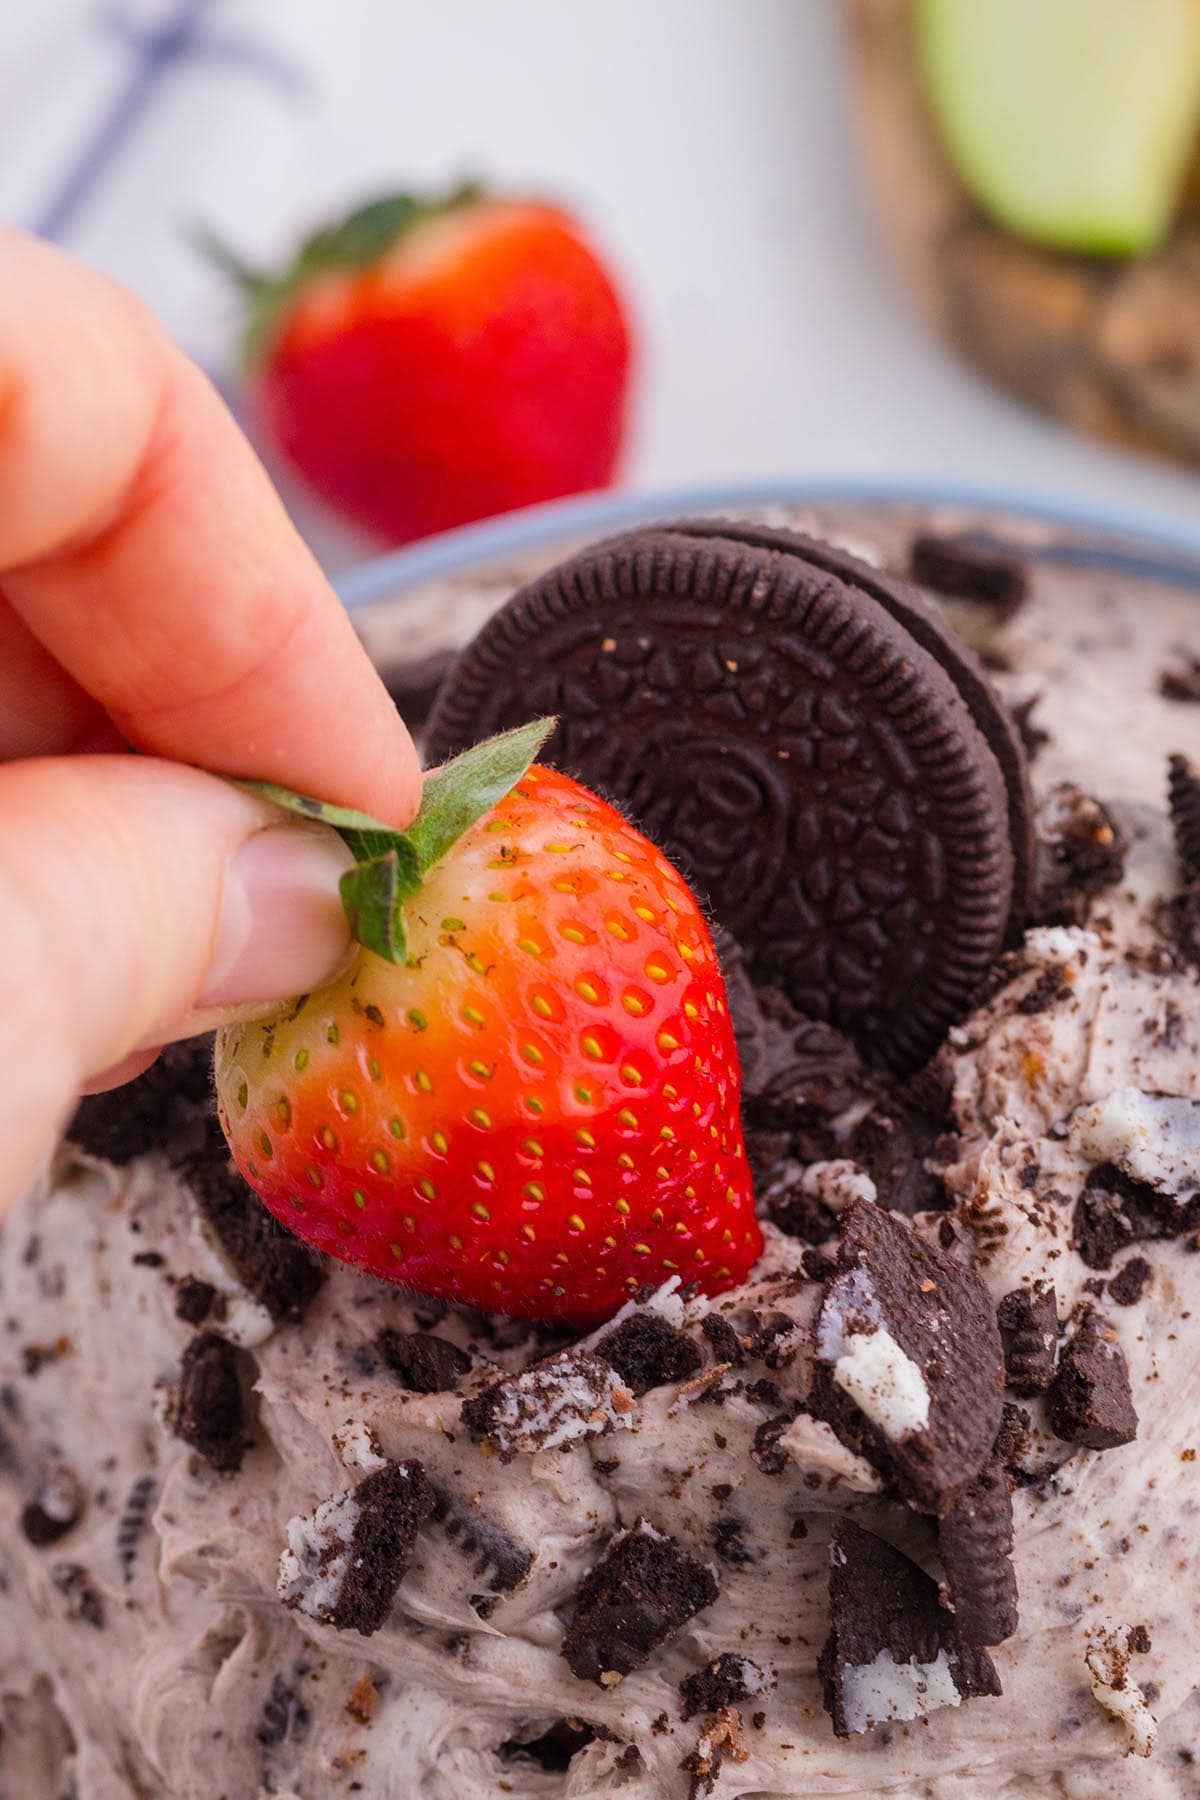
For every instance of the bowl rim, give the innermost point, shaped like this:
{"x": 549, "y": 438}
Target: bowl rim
{"x": 1136, "y": 542}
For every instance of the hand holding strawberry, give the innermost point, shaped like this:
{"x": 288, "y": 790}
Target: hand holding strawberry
{"x": 425, "y": 363}
{"x": 523, "y": 1095}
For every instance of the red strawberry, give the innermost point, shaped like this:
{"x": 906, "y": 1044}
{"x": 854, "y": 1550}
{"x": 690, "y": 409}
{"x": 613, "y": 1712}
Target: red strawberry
{"x": 427, "y": 363}
{"x": 534, "y": 1107}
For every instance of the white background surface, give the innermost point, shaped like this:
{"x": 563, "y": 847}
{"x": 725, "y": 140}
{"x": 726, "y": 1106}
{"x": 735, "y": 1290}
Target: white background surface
{"x": 707, "y": 141}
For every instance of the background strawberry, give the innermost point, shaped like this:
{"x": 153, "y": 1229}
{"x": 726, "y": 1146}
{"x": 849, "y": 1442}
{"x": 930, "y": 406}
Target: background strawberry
{"x": 526, "y": 1096}
{"x": 429, "y": 362}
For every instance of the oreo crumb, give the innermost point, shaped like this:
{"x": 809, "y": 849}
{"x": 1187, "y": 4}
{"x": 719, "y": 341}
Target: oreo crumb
{"x": 55, "y": 1509}
{"x": 364, "y": 1698}
{"x": 84, "y": 1604}
{"x": 132, "y": 1523}
{"x": 488, "y": 1547}
{"x": 270, "y": 1263}
{"x": 572, "y": 1395}
{"x": 194, "y": 1300}
{"x": 421, "y": 1362}
{"x": 284, "y": 1716}
{"x": 1139, "y": 1640}
{"x": 723, "y": 1340}
{"x": 726, "y": 1681}
{"x": 767, "y": 1451}
{"x": 647, "y": 1352}
{"x": 1028, "y": 1320}
{"x": 207, "y": 1409}
{"x": 553, "y": 1750}
{"x": 965, "y": 568}
{"x": 169, "y": 1109}
{"x": 1178, "y": 919}
{"x": 893, "y": 1652}
{"x": 975, "y": 1540}
{"x": 641, "y": 1591}
{"x": 1081, "y": 852}
{"x": 1091, "y": 1402}
{"x": 1184, "y": 789}
{"x": 729, "y": 1543}
{"x": 1115, "y": 1210}
{"x": 1128, "y": 1285}
{"x": 1183, "y": 681}
{"x": 149, "y": 1259}
{"x": 345, "y": 1561}
{"x": 1014, "y": 1436}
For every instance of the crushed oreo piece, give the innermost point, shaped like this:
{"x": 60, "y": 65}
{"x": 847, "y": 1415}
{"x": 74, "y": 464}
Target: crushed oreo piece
{"x": 207, "y": 1409}
{"x": 1178, "y": 920}
{"x": 1116, "y": 1210}
{"x": 551, "y": 1750}
{"x": 133, "y": 1521}
{"x": 567, "y": 1397}
{"x": 1183, "y": 681}
{"x": 1081, "y": 852}
{"x": 1028, "y": 1320}
{"x": 729, "y": 1543}
{"x": 55, "y": 1509}
{"x": 1091, "y": 1402}
{"x": 168, "y": 1109}
{"x": 720, "y": 1741}
{"x": 641, "y": 1591}
{"x": 766, "y": 1450}
{"x": 892, "y": 1144}
{"x": 284, "y": 1716}
{"x": 648, "y": 1352}
{"x": 723, "y": 1340}
{"x": 726, "y": 1681}
{"x": 194, "y": 1300}
{"x": 1184, "y": 787}
{"x": 893, "y": 1651}
{"x": 968, "y": 568}
{"x": 84, "y": 1602}
{"x": 422, "y": 1362}
{"x": 491, "y": 1551}
{"x": 345, "y": 1560}
{"x": 975, "y": 1540}
{"x": 1129, "y": 1283}
{"x": 1014, "y": 1435}
{"x": 270, "y": 1263}
{"x": 910, "y": 1370}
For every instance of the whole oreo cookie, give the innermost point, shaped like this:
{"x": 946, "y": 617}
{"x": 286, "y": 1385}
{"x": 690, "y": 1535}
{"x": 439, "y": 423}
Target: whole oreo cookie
{"x": 831, "y": 770}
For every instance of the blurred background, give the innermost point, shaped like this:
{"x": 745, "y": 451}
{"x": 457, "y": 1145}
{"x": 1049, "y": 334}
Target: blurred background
{"x": 762, "y": 191}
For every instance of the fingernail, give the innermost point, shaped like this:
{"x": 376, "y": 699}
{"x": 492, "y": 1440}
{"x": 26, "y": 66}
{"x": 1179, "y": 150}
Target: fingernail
{"x": 282, "y": 929}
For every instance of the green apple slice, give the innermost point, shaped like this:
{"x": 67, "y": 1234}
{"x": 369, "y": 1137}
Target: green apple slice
{"x": 1070, "y": 121}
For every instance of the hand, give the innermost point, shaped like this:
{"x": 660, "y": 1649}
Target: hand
{"x": 153, "y": 594}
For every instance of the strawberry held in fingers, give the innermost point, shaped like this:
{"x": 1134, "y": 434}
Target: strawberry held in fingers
{"x": 524, "y": 1095}
{"x": 425, "y": 363}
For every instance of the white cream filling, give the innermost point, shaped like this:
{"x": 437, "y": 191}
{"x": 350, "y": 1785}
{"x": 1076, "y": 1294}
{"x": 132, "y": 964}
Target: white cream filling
{"x": 1107, "y": 1658}
{"x": 309, "y": 1578}
{"x": 884, "y": 1382}
{"x": 1154, "y": 1138}
{"x": 874, "y": 1692}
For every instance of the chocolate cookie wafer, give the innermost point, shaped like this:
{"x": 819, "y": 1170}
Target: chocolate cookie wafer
{"x": 830, "y": 769}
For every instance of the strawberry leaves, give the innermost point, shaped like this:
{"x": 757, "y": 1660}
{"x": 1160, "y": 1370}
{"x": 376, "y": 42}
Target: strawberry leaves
{"x": 391, "y": 865}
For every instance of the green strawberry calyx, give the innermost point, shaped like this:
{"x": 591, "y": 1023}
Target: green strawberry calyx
{"x": 358, "y": 241}
{"x": 391, "y": 866}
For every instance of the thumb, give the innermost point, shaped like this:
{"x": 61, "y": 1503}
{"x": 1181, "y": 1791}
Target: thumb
{"x": 134, "y": 895}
